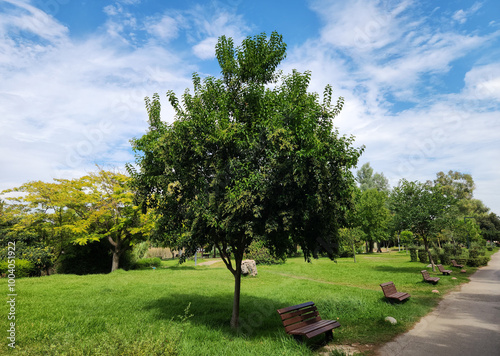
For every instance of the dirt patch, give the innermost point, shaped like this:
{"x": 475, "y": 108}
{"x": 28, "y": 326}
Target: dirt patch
{"x": 348, "y": 350}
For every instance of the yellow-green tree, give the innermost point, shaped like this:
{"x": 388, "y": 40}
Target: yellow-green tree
{"x": 97, "y": 206}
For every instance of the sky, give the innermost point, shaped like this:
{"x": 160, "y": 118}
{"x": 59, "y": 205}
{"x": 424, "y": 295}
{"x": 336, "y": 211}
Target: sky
{"x": 421, "y": 79}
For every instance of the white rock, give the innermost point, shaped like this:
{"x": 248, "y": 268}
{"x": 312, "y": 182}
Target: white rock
{"x": 249, "y": 267}
{"x": 391, "y": 320}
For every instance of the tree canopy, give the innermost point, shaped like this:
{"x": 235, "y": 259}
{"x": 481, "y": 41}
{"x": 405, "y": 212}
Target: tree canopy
{"x": 250, "y": 154}
{"x": 417, "y": 207}
{"x": 368, "y": 180}
{"x": 79, "y": 211}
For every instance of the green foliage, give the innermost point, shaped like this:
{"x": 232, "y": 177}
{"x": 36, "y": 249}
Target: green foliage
{"x": 419, "y": 208}
{"x": 406, "y": 237}
{"x": 90, "y": 258}
{"x": 244, "y": 160}
{"x": 140, "y": 250}
{"x": 413, "y": 253}
{"x": 455, "y": 184}
{"x": 478, "y": 261}
{"x": 373, "y": 216}
{"x": 260, "y": 253}
{"x": 423, "y": 256}
{"x": 350, "y": 238}
{"x": 23, "y": 268}
{"x": 147, "y": 263}
{"x": 151, "y": 316}
{"x": 66, "y": 212}
{"x": 367, "y": 180}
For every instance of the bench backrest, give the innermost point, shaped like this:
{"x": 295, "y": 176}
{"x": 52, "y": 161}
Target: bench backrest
{"x": 425, "y": 274}
{"x": 300, "y": 315}
{"x": 440, "y": 268}
{"x": 389, "y": 288}
{"x": 454, "y": 263}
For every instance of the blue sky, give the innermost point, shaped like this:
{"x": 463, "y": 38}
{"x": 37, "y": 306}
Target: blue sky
{"x": 421, "y": 79}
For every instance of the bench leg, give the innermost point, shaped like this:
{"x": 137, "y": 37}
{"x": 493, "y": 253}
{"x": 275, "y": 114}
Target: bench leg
{"x": 328, "y": 336}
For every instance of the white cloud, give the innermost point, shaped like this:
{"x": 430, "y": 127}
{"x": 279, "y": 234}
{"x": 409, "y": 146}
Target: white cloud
{"x": 483, "y": 82}
{"x": 209, "y": 25}
{"x": 165, "y": 28}
{"x": 66, "y": 104}
{"x": 461, "y": 16}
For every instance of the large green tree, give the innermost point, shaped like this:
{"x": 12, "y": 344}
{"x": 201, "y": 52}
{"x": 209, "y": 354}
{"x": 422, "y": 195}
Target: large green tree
{"x": 373, "y": 217}
{"x": 97, "y": 206}
{"x": 368, "y": 180}
{"x": 250, "y": 154}
{"x": 418, "y": 207}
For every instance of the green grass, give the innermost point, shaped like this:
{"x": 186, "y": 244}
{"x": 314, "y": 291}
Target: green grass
{"x": 185, "y": 310}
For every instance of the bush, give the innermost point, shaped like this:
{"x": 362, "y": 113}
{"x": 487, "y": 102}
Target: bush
{"x": 445, "y": 256}
{"x": 478, "y": 261}
{"x": 422, "y": 255}
{"x": 435, "y": 253}
{"x": 476, "y": 250}
{"x": 258, "y": 252}
{"x": 23, "y": 268}
{"x": 413, "y": 253}
{"x": 147, "y": 263}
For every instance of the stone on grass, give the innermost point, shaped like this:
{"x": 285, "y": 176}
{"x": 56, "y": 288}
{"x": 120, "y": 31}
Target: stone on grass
{"x": 391, "y": 320}
{"x": 249, "y": 267}
{"x": 453, "y": 277}
{"x": 435, "y": 291}
{"x": 463, "y": 271}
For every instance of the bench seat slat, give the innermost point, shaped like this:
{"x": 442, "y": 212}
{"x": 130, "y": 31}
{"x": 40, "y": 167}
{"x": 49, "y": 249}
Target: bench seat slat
{"x": 302, "y": 324}
{"x": 292, "y": 314}
{"x": 300, "y": 318}
{"x": 295, "y": 307}
{"x": 304, "y": 320}
{"x": 316, "y": 328}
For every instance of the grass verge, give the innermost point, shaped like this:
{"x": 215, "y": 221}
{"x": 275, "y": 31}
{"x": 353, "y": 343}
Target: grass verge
{"x": 185, "y": 310}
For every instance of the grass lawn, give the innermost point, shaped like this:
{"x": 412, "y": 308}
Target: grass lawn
{"x": 185, "y": 310}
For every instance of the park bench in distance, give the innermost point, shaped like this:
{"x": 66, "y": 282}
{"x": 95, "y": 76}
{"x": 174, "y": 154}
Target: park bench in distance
{"x": 391, "y": 293}
{"x": 428, "y": 278}
{"x": 455, "y": 264}
{"x": 303, "y": 319}
{"x": 442, "y": 270}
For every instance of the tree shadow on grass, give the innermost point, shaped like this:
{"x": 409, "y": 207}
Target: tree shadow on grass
{"x": 392, "y": 269}
{"x": 258, "y": 316}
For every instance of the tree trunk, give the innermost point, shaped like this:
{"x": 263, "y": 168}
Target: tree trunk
{"x": 429, "y": 253}
{"x": 236, "y": 299}
{"x": 116, "y": 260}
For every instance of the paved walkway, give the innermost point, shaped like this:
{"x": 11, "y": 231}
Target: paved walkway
{"x": 466, "y": 322}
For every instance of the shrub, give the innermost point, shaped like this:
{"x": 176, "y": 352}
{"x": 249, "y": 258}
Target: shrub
{"x": 413, "y": 253}
{"x": 478, "y": 261}
{"x": 23, "y": 268}
{"x": 146, "y": 263}
{"x": 445, "y": 256}
{"x": 258, "y": 252}
{"x": 435, "y": 253}
{"x": 422, "y": 255}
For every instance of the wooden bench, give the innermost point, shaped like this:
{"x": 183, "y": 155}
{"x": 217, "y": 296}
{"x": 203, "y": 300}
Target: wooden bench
{"x": 442, "y": 270}
{"x": 428, "y": 278}
{"x": 391, "y": 293}
{"x": 455, "y": 264}
{"x": 304, "y": 320}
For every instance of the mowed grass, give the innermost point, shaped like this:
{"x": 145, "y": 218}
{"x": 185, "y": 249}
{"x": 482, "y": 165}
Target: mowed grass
{"x": 185, "y": 310}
